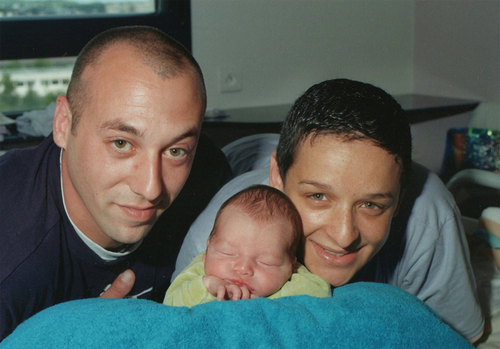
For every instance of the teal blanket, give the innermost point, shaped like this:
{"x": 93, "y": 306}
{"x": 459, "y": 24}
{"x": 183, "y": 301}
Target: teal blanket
{"x": 361, "y": 315}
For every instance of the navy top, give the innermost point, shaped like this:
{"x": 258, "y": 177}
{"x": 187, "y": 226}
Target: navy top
{"x": 45, "y": 262}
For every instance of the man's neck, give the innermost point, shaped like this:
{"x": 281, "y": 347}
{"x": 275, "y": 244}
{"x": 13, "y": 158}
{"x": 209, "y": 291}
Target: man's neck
{"x": 105, "y": 254}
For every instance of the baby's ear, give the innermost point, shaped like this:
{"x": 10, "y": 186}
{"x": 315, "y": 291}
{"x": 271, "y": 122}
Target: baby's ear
{"x": 205, "y": 254}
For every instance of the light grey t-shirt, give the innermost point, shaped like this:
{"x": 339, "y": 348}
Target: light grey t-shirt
{"x": 426, "y": 253}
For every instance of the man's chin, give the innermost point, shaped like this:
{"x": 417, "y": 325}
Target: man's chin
{"x": 121, "y": 240}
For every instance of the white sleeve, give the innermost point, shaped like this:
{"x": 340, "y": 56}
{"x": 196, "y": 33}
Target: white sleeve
{"x": 195, "y": 241}
{"x": 436, "y": 266}
{"x": 251, "y": 152}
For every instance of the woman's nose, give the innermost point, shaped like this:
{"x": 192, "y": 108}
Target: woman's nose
{"x": 341, "y": 228}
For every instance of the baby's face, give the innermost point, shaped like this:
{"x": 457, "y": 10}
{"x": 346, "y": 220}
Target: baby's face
{"x": 250, "y": 253}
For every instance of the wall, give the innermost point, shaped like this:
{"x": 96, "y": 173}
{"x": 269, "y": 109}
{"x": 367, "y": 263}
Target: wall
{"x": 281, "y": 47}
{"x": 457, "y": 48}
{"x": 457, "y": 54}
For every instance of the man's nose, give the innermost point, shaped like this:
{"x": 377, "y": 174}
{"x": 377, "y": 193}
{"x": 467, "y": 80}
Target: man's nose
{"x": 342, "y": 227}
{"x": 244, "y": 266}
{"x": 148, "y": 178}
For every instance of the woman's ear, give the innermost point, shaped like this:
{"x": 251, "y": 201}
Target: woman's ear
{"x": 275, "y": 179}
{"x": 400, "y": 200}
{"x": 61, "y": 127}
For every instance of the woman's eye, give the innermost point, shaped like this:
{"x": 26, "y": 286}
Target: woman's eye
{"x": 176, "y": 152}
{"x": 318, "y": 196}
{"x": 121, "y": 144}
{"x": 371, "y": 205}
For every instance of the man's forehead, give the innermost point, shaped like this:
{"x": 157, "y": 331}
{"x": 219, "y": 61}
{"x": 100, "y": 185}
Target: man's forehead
{"x": 119, "y": 52}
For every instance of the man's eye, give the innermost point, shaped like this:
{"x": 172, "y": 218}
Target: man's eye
{"x": 318, "y": 196}
{"x": 121, "y": 144}
{"x": 176, "y": 152}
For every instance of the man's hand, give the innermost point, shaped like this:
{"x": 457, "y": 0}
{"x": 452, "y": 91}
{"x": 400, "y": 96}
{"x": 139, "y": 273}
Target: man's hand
{"x": 224, "y": 290}
{"x": 121, "y": 286}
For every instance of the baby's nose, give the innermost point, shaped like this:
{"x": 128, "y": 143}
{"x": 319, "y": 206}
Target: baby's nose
{"x": 244, "y": 266}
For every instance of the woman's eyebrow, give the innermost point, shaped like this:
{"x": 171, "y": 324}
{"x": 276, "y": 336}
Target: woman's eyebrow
{"x": 318, "y": 185}
{"x": 326, "y": 187}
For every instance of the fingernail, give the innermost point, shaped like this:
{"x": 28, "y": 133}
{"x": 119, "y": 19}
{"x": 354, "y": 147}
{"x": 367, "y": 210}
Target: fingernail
{"x": 126, "y": 276}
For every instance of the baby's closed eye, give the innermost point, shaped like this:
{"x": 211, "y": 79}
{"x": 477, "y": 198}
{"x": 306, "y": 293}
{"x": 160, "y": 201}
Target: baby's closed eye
{"x": 269, "y": 262}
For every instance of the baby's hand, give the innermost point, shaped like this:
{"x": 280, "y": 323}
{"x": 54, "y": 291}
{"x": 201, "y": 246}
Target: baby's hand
{"x": 224, "y": 290}
{"x": 232, "y": 292}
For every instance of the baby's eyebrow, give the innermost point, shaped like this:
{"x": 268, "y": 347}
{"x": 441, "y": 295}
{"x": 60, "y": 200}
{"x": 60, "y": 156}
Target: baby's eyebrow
{"x": 270, "y": 257}
{"x": 223, "y": 244}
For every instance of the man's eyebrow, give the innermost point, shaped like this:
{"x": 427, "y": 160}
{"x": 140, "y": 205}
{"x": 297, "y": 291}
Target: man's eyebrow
{"x": 123, "y": 127}
{"x": 194, "y": 132}
{"x": 119, "y": 125}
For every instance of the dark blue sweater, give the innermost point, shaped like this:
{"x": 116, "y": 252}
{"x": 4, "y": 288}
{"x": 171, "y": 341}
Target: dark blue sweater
{"x": 44, "y": 262}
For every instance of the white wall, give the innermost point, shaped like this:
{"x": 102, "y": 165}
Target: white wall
{"x": 457, "y": 48}
{"x": 457, "y": 54}
{"x": 281, "y": 47}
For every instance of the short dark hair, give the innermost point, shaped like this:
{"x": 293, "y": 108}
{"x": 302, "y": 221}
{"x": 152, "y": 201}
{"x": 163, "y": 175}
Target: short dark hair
{"x": 164, "y": 55}
{"x": 267, "y": 204}
{"x": 352, "y": 110}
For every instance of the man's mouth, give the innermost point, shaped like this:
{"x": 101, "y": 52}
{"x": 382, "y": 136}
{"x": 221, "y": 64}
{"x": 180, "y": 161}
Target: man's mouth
{"x": 137, "y": 214}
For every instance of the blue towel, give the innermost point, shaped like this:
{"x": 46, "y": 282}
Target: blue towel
{"x": 361, "y": 315}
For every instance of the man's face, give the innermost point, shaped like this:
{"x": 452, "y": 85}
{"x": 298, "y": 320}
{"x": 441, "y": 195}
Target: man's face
{"x": 249, "y": 253}
{"x": 132, "y": 150}
{"x": 347, "y": 193}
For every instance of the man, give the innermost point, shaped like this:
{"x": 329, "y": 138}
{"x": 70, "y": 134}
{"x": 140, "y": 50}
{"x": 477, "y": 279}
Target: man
{"x": 369, "y": 214}
{"x": 77, "y": 212}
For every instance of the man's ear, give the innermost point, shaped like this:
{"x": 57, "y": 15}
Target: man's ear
{"x": 275, "y": 179}
{"x": 61, "y": 127}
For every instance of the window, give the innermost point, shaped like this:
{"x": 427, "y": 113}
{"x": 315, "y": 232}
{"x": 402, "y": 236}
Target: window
{"x": 41, "y": 38}
{"x": 71, "y": 8}
{"x": 64, "y": 35}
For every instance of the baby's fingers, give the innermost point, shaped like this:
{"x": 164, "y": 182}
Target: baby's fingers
{"x": 245, "y": 293}
{"x": 233, "y": 292}
{"x": 221, "y": 293}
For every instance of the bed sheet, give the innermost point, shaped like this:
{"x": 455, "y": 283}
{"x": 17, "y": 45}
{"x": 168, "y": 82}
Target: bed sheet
{"x": 488, "y": 289}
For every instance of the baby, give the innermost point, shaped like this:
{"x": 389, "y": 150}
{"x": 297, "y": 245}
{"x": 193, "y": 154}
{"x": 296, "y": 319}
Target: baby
{"x": 251, "y": 252}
